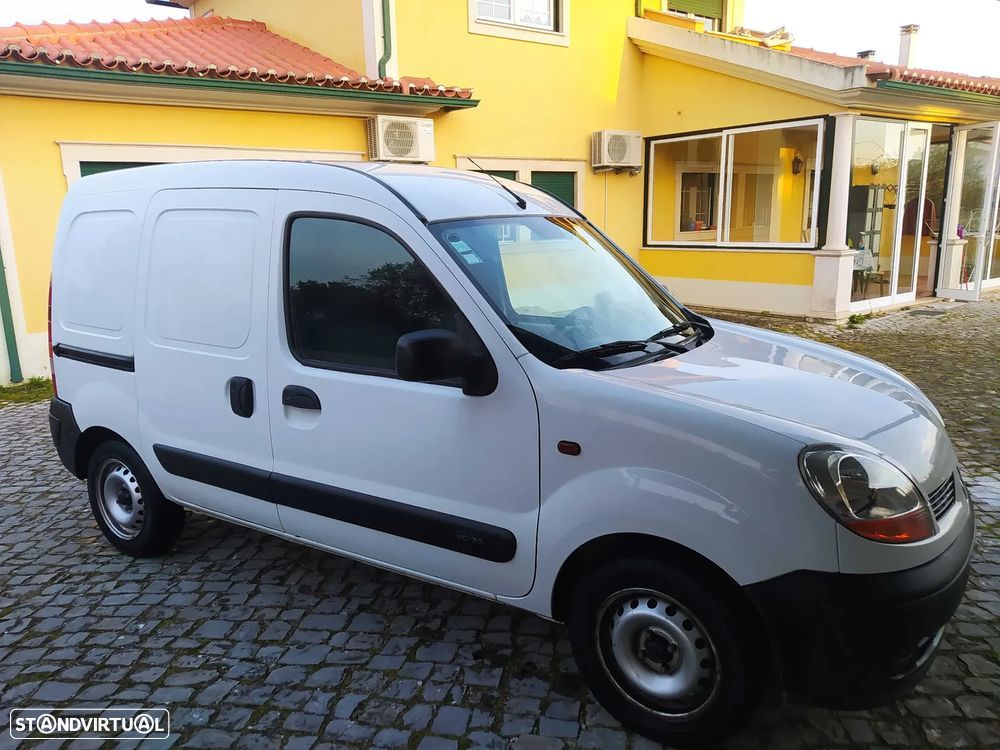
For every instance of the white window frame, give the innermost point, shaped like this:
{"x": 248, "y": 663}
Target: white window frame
{"x": 726, "y": 171}
{"x": 649, "y": 188}
{"x": 522, "y": 32}
{"x": 524, "y": 167}
{"x": 75, "y": 152}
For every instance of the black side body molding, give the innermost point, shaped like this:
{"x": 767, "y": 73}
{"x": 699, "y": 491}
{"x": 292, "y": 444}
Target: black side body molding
{"x": 217, "y": 472}
{"x": 65, "y": 435}
{"x": 92, "y": 357}
{"x": 443, "y": 530}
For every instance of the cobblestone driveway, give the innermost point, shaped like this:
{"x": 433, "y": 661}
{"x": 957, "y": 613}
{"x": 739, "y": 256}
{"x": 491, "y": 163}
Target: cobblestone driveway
{"x": 253, "y": 642}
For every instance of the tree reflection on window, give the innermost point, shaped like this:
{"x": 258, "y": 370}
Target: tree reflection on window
{"x": 344, "y": 309}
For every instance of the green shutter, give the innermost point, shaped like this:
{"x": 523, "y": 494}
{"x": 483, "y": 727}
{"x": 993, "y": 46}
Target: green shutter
{"x": 560, "y": 184}
{"x": 507, "y": 174}
{"x": 88, "y": 168}
{"x": 706, "y": 8}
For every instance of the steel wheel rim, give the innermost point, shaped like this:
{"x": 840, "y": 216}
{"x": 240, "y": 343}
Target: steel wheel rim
{"x": 119, "y": 499}
{"x": 657, "y": 654}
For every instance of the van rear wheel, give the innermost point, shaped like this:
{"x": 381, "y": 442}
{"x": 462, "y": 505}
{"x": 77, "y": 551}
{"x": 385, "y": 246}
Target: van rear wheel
{"x": 130, "y": 509}
{"x": 663, "y": 650}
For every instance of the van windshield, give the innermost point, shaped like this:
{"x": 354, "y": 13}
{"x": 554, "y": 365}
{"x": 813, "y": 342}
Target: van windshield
{"x": 569, "y": 295}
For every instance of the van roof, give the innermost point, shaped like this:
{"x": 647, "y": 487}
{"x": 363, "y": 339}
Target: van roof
{"x": 433, "y": 193}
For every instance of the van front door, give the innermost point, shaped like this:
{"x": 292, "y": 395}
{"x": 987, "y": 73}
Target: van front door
{"x": 200, "y": 349}
{"x": 415, "y": 476}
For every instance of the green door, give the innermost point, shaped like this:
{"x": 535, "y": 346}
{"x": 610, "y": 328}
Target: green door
{"x": 88, "y": 168}
{"x": 560, "y": 184}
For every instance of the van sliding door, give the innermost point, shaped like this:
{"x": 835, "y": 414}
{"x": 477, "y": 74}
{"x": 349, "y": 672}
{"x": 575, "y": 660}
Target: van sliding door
{"x": 200, "y": 360}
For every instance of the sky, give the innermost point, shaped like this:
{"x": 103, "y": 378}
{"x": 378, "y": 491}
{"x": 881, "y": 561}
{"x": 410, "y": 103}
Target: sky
{"x": 955, "y": 35}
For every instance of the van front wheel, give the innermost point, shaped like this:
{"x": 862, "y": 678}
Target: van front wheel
{"x": 663, "y": 651}
{"x": 129, "y": 507}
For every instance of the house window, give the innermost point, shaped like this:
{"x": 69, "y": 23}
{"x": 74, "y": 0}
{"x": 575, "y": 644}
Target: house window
{"x": 753, "y": 186}
{"x": 709, "y": 12}
{"x": 873, "y": 203}
{"x": 535, "y": 14}
{"x": 686, "y": 188}
{"x": 353, "y": 290}
{"x": 698, "y": 194}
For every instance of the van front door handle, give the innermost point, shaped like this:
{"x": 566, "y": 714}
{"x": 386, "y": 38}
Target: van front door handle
{"x": 241, "y": 396}
{"x": 300, "y": 397}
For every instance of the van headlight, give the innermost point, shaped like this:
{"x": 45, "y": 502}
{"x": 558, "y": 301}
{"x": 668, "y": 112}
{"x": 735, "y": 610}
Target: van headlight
{"x": 867, "y": 494}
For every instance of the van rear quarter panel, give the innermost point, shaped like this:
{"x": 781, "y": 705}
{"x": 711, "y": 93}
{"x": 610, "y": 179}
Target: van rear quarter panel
{"x": 94, "y": 271}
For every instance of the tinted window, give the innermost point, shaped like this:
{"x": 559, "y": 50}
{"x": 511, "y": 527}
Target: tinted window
{"x": 353, "y": 291}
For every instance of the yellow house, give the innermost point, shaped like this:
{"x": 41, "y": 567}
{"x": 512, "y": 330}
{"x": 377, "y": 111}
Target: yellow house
{"x": 761, "y": 176}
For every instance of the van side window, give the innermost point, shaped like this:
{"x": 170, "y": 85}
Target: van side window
{"x": 353, "y": 290}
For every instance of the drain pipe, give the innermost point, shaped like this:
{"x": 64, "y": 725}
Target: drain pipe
{"x": 386, "y": 40}
{"x": 7, "y": 323}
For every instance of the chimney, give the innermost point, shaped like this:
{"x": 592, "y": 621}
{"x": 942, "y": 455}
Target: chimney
{"x": 866, "y": 54}
{"x": 908, "y": 45}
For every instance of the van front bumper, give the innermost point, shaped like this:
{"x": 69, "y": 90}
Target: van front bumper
{"x": 856, "y": 641}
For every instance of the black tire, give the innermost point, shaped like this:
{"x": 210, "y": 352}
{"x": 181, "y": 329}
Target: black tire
{"x": 695, "y": 633}
{"x": 144, "y": 523}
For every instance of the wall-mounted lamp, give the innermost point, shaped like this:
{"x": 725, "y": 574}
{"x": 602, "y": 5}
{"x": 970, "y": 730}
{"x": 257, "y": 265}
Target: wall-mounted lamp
{"x": 797, "y": 164}
{"x": 875, "y": 167}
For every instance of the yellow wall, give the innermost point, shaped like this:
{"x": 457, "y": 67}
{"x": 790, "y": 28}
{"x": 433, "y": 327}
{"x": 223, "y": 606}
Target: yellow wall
{"x": 32, "y": 167}
{"x": 331, "y": 27}
{"x": 682, "y": 98}
{"x": 538, "y": 101}
{"x": 776, "y": 267}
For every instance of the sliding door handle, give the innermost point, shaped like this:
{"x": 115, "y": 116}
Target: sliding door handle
{"x": 300, "y": 397}
{"x": 241, "y": 396}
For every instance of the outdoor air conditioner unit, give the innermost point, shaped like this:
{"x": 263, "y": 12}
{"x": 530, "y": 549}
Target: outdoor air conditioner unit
{"x": 617, "y": 149}
{"x": 400, "y": 139}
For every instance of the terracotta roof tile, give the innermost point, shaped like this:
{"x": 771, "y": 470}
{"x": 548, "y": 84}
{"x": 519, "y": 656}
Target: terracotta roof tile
{"x": 212, "y": 47}
{"x": 879, "y": 70}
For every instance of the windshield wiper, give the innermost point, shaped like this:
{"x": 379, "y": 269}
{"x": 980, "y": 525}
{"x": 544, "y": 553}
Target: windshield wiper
{"x": 675, "y": 329}
{"x": 603, "y": 350}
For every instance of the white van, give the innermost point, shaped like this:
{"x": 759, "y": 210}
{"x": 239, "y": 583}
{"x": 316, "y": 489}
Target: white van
{"x": 463, "y": 380}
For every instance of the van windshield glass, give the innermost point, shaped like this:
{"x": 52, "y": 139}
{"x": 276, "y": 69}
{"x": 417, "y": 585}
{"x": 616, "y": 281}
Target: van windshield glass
{"x": 570, "y": 296}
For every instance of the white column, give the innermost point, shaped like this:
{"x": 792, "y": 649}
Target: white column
{"x": 840, "y": 183}
{"x": 831, "y": 295}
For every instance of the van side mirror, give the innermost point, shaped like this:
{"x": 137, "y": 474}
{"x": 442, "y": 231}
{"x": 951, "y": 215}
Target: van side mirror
{"x": 437, "y": 354}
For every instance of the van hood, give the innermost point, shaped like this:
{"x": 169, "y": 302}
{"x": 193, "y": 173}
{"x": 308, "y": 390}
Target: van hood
{"x": 805, "y": 383}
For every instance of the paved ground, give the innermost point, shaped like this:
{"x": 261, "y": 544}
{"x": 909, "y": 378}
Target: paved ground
{"x": 253, "y": 642}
